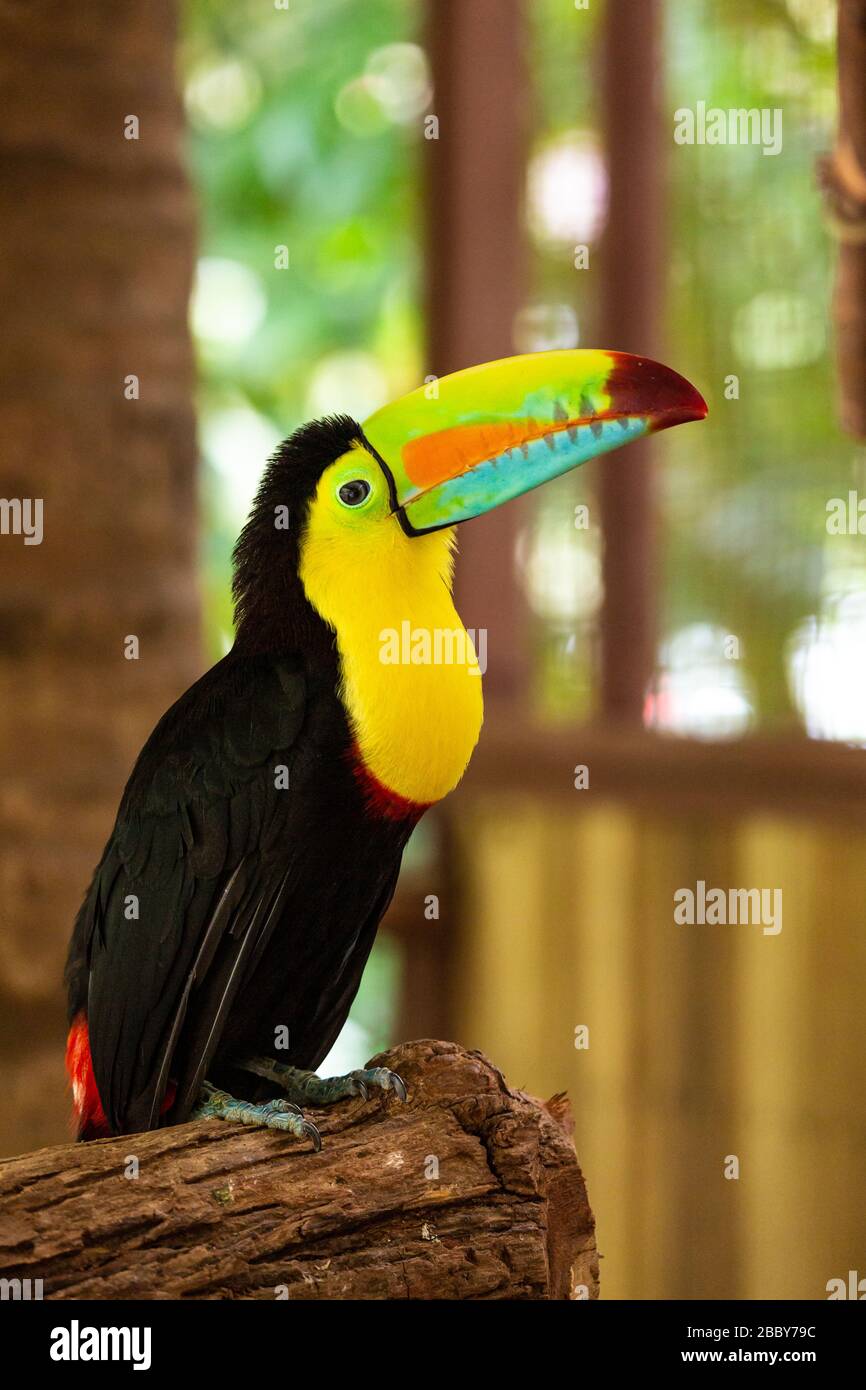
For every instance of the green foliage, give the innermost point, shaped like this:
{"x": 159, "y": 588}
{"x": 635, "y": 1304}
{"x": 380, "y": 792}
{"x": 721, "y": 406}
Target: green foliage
{"x": 302, "y": 126}
{"x": 749, "y": 293}
{"x": 749, "y": 275}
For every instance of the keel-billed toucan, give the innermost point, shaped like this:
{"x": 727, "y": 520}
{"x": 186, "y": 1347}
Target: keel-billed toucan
{"x": 258, "y": 842}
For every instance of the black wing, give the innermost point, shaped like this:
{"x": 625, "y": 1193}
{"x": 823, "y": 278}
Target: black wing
{"x": 189, "y": 886}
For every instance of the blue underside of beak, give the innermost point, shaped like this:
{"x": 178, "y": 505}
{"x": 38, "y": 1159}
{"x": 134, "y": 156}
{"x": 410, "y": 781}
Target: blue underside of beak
{"x": 516, "y": 471}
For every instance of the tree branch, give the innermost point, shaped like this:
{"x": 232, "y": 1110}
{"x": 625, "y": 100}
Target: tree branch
{"x": 468, "y": 1191}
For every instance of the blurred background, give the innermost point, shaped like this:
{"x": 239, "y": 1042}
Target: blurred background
{"x": 318, "y": 204}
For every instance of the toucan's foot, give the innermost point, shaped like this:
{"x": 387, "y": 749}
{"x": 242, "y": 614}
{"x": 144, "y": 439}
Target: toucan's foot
{"x": 306, "y": 1087}
{"x": 272, "y": 1114}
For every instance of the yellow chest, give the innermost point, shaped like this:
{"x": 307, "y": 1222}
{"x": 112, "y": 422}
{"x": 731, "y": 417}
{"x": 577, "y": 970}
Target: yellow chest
{"x": 412, "y": 689}
{"x": 410, "y": 680}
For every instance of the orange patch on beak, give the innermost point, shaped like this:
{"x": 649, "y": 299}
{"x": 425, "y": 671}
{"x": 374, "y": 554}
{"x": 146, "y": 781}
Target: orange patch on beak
{"x": 432, "y": 458}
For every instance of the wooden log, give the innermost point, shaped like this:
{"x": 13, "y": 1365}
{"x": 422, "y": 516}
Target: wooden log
{"x": 470, "y": 1190}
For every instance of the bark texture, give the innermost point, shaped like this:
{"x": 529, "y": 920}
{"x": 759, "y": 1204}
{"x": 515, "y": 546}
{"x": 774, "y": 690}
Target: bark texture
{"x": 468, "y": 1191}
{"x": 96, "y": 256}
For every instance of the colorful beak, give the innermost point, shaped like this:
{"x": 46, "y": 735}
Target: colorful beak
{"x": 467, "y": 442}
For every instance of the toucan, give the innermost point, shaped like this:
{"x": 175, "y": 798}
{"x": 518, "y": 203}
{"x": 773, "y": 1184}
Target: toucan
{"x": 258, "y": 841}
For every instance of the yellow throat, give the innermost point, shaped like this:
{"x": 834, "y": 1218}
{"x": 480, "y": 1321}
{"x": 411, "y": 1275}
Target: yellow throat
{"x": 410, "y": 680}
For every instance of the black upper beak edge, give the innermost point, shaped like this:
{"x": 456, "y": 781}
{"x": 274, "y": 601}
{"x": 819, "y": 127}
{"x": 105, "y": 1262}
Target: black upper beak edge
{"x": 396, "y": 508}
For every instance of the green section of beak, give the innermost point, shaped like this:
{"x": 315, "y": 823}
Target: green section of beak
{"x": 463, "y": 444}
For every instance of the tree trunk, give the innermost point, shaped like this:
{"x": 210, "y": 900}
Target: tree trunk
{"x": 468, "y": 1191}
{"x": 96, "y": 255}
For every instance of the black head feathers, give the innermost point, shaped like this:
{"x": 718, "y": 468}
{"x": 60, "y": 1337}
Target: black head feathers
{"x": 271, "y": 608}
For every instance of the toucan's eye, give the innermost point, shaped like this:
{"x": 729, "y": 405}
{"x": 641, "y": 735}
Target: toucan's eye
{"x": 354, "y": 493}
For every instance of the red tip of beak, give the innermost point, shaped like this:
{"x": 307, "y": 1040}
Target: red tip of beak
{"x": 639, "y": 386}
{"x": 693, "y": 408}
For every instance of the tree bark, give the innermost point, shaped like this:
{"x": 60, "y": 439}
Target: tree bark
{"x": 468, "y": 1191}
{"x": 96, "y": 257}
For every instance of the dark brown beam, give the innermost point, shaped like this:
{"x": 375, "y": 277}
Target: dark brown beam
{"x": 632, "y": 269}
{"x": 799, "y": 777}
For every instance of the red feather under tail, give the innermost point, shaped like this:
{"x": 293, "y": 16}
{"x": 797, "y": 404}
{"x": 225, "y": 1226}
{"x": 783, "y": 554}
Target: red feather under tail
{"x": 87, "y": 1107}
{"x": 89, "y": 1116}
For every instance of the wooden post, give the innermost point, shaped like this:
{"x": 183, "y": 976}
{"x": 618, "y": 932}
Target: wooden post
{"x": 476, "y": 273}
{"x": 631, "y": 296}
{"x": 468, "y": 1191}
{"x": 843, "y": 176}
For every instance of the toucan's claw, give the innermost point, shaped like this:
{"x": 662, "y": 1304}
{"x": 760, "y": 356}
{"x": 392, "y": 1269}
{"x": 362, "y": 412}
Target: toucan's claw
{"x": 398, "y": 1086}
{"x": 379, "y": 1077}
{"x": 310, "y": 1089}
{"x": 312, "y": 1133}
{"x": 272, "y": 1114}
